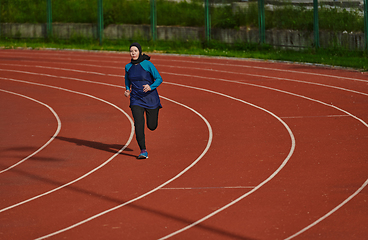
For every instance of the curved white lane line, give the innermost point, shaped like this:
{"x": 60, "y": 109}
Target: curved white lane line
{"x": 135, "y": 199}
{"x": 330, "y": 212}
{"x": 278, "y": 78}
{"x": 232, "y": 65}
{"x": 71, "y": 57}
{"x": 313, "y": 224}
{"x": 270, "y": 77}
{"x": 247, "y": 74}
{"x": 54, "y": 76}
{"x": 64, "y": 63}
{"x": 71, "y": 53}
{"x": 233, "y": 202}
{"x": 48, "y": 142}
{"x": 64, "y": 69}
{"x": 274, "y": 69}
{"x": 93, "y": 170}
{"x": 282, "y": 91}
{"x": 365, "y": 184}
{"x": 210, "y": 136}
{"x": 256, "y": 187}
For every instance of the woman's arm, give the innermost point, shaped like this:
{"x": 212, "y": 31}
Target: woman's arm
{"x": 127, "y": 84}
{"x": 148, "y": 66}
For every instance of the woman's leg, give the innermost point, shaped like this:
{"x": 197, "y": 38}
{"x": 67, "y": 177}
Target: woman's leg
{"x": 152, "y": 118}
{"x": 138, "y": 115}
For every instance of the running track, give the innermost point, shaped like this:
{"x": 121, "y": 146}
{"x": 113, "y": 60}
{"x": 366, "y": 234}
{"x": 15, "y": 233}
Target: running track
{"x": 244, "y": 150}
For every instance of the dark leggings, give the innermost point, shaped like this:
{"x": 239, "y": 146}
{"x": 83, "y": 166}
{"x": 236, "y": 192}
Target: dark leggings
{"x": 152, "y": 122}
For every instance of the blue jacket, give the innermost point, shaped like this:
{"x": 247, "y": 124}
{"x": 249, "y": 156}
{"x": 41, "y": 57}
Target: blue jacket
{"x": 137, "y": 75}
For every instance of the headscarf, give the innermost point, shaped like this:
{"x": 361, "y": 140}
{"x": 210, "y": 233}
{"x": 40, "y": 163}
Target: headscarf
{"x": 141, "y": 57}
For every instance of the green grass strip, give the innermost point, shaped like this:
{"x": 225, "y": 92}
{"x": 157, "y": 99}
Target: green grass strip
{"x": 336, "y": 57}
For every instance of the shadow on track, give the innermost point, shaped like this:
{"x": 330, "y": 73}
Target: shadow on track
{"x": 113, "y": 148}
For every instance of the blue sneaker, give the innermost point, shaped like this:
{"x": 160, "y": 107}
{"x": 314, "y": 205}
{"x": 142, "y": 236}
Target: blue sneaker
{"x": 143, "y": 154}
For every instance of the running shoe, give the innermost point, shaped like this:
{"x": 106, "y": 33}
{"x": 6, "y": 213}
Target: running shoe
{"x": 143, "y": 154}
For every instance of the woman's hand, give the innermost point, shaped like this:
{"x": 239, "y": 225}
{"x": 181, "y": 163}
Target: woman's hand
{"x": 146, "y": 88}
{"x": 127, "y": 93}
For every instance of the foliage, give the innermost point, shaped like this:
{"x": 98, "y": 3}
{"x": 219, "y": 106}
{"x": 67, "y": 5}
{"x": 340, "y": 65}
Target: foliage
{"x": 336, "y": 56}
{"x": 184, "y": 13}
{"x": 73, "y": 11}
{"x": 335, "y": 19}
{"x": 289, "y": 17}
{"x": 21, "y": 11}
{"x": 126, "y": 12}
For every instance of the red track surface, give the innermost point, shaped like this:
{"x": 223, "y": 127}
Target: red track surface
{"x": 244, "y": 150}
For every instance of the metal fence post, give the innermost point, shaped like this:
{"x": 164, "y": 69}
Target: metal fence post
{"x": 100, "y": 21}
{"x": 207, "y": 21}
{"x": 315, "y": 24}
{"x": 366, "y": 24}
{"x": 153, "y": 20}
{"x": 261, "y": 21}
{"x": 49, "y": 19}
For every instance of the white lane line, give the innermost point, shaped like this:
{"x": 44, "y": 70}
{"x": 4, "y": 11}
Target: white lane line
{"x": 109, "y": 210}
{"x": 268, "y": 179}
{"x": 70, "y": 53}
{"x": 210, "y": 136}
{"x": 275, "y": 78}
{"x": 93, "y": 170}
{"x": 267, "y": 68}
{"x": 53, "y": 76}
{"x": 195, "y": 188}
{"x": 212, "y": 70}
{"x": 281, "y": 91}
{"x": 225, "y": 64}
{"x": 325, "y": 116}
{"x": 188, "y": 75}
{"x": 48, "y": 142}
{"x": 279, "y": 169}
{"x": 344, "y": 89}
{"x": 213, "y": 63}
{"x": 62, "y": 63}
{"x": 256, "y": 85}
{"x": 330, "y": 212}
{"x": 292, "y": 148}
{"x": 63, "y": 69}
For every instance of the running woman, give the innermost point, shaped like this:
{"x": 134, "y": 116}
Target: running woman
{"x": 141, "y": 81}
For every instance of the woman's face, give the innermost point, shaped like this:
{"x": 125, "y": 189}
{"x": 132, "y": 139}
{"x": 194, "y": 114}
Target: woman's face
{"x": 134, "y": 53}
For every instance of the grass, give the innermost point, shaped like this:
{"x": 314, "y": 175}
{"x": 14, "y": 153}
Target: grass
{"x": 186, "y": 14}
{"x": 332, "y": 57}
